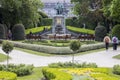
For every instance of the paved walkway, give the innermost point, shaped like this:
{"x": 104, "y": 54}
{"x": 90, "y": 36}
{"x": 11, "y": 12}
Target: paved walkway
{"x": 102, "y": 58}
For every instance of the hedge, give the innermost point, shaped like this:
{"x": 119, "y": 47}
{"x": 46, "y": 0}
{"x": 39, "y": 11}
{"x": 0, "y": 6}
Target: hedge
{"x": 57, "y": 50}
{"x": 37, "y": 29}
{"x": 20, "y": 70}
{"x": 7, "y": 75}
{"x": 80, "y": 30}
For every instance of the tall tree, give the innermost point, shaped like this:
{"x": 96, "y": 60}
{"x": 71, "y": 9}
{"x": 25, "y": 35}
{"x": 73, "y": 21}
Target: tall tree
{"x": 20, "y": 11}
{"x": 115, "y": 10}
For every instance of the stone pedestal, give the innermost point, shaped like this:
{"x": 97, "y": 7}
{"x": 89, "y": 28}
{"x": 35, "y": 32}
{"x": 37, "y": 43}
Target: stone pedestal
{"x": 58, "y": 26}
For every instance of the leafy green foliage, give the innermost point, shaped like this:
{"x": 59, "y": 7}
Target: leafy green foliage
{"x": 80, "y": 30}
{"x": 116, "y": 31}
{"x": 75, "y": 45}
{"x": 116, "y": 69}
{"x": 7, "y": 47}
{"x": 43, "y": 15}
{"x": 20, "y": 70}
{"x": 7, "y": 75}
{"x": 46, "y": 22}
{"x": 115, "y": 10}
{"x": 2, "y": 32}
{"x": 71, "y": 65}
{"x": 18, "y": 32}
{"x": 21, "y": 11}
{"x": 100, "y": 33}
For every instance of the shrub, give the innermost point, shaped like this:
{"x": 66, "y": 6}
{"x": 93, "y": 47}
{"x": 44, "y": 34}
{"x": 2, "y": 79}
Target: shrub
{"x": 20, "y": 70}
{"x": 2, "y": 32}
{"x": 7, "y": 75}
{"x": 18, "y": 32}
{"x": 43, "y": 15}
{"x": 116, "y": 69}
{"x": 46, "y": 22}
{"x": 57, "y": 50}
{"x": 71, "y": 65}
{"x": 52, "y": 74}
{"x": 100, "y": 33}
{"x": 116, "y": 31}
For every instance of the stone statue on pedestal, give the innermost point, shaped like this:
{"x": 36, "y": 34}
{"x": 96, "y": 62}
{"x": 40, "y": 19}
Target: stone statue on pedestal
{"x": 59, "y": 8}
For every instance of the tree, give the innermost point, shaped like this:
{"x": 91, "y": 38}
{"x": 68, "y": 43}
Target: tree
{"x": 7, "y": 47}
{"x": 20, "y": 11}
{"x": 74, "y": 46}
{"x": 115, "y": 10}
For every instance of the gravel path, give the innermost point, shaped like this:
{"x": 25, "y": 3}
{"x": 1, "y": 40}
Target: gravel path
{"x": 102, "y": 58}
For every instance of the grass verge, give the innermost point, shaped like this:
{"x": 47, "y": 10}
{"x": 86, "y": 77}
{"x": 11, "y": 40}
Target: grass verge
{"x": 36, "y": 75}
{"x": 34, "y": 52}
{"x": 2, "y": 57}
{"x": 117, "y": 56}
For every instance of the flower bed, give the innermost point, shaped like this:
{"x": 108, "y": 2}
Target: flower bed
{"x": 68, "y": 73}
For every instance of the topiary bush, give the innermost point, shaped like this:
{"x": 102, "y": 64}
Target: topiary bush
{"x": 18, "y": 32}
{"x": 2, "y": 32}
{"x": 100, "y": 32}
{"x": 116, "y": 31}
{"x": 7, "y": 75}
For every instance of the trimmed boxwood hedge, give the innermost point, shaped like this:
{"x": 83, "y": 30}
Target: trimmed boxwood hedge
{"x": 7, "y": 75}
{"x": 57, "y": 50}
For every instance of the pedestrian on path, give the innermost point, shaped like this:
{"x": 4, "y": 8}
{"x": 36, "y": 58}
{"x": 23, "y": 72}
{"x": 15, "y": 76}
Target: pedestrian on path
{"x": 115, "y": 42}
{"x": 107, "y": 41}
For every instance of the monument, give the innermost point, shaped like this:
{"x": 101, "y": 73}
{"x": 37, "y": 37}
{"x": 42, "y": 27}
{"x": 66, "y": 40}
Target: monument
{"x": 58, "y": 26}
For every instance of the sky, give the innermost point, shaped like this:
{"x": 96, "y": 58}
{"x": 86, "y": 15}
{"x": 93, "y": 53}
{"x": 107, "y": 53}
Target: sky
{"x": 55, "y": 1}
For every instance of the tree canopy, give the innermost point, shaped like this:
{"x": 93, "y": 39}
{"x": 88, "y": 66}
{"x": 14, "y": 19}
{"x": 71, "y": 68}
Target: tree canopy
{"x": 20, "y": 11}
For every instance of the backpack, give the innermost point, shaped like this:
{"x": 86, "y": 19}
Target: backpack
{"x": 114, "y": 40}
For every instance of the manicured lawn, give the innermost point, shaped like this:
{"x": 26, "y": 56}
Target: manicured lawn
{"x": 36, "y": 75}
{"x": 117, "y": 56}
{"x": 37, "y": 29}
{"x": 80, "y": 30}
{"x": 2, "y": 57}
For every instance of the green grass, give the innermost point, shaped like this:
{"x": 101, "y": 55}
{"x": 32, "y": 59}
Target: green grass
{"x": 88, "y": 52}
{"x": 36, "y": 75}
{"x": 80, "y": 30}
{"x": 117, "y": 56}
{"x": 34, "y": 52}
{"x": 2, "y": 57}
{"x": 37, "y": 29}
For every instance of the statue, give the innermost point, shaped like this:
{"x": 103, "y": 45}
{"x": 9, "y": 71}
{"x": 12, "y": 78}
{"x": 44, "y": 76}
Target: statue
{"x": 59, "y": 8}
